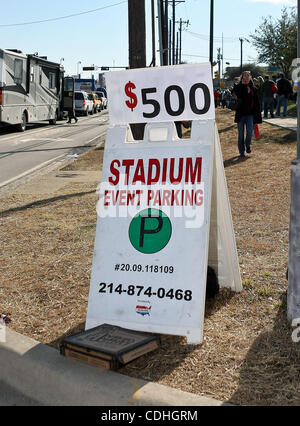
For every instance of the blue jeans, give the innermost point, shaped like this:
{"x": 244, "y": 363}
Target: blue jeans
{"x": 282, "y": 100}
{"x": 268, "y": 104}
{"x": 246, "y": 120}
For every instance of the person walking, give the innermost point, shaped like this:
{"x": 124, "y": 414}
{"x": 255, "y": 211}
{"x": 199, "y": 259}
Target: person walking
{"x": 71, "y": 114}
{"x": 259, "y": 84}
{"x": 247, "y": 112}
{"x": 284, "y": 91}
{"x": 268, "y": 96}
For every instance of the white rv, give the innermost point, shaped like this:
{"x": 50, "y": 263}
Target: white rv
{"x": 30, "y": 89}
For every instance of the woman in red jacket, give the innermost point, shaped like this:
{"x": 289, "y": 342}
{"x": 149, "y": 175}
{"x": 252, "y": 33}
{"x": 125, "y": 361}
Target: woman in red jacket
{"x": 247, "y": 111}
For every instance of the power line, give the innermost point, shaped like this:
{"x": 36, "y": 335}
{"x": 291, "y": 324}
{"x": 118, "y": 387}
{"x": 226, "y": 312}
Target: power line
{"x": 206, "y": 37}
{"x": 199, "y": 56}
{"x": 63, "y": 17}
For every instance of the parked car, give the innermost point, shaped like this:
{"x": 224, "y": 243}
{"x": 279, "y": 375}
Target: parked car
{"x": 96, "y": 102}
{"x": 101, "y": 89}
{"x": 103, "y": 99}
{"x": 83, "y": 104}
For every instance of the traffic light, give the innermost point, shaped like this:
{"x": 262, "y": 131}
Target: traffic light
{"x": 217, "y": 76}
{"x": 104, "y": 68}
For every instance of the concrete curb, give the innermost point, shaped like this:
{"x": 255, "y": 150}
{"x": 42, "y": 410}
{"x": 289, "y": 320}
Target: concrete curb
{"x": 45, "y": 377}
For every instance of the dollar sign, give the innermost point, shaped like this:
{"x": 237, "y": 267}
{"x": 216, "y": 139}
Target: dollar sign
{"x": 133, "y": 99}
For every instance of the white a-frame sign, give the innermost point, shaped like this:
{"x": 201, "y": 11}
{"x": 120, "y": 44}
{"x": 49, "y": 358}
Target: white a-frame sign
{"x": 163, "y": 210}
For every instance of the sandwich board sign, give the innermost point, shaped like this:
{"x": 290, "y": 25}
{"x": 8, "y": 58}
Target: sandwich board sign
{"x": 163, "y": 209}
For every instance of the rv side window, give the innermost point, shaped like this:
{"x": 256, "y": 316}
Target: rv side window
{"x": 52, "y": 82}
{"x": 18, "y": 71}
{"x": 31, "y": 74}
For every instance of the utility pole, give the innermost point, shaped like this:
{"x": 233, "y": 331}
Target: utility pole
{"x": 137, "y": 33}
{"x": 170, "y": 42}
{"x": 173, "y": 33}
{"x": 219, "y": 56}
{"x": 160, "y": 31}
{"x": 241, "y": 40}
{"x": 211, "y": 36}
{"x": 293, "y": 294}
{"x": 167, "y": 40}
{"x": 153, "y": 34}
{"x": 222, "y": 56}
{"x": 177, "y": 47}
{"x": 180, "y": 22}
{"x": 137, "y": 46}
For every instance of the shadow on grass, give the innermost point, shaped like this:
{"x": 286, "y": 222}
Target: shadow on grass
{"x": 73, "y": 330}
{"x": 235, "y": 160}
{"x": 270, "y": 372}
{"x": 45, "y": 202}
{"x": 226, "y": 129}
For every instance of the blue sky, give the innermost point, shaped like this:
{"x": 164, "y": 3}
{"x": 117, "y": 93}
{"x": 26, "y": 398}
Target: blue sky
{"x": 101, "y": 37}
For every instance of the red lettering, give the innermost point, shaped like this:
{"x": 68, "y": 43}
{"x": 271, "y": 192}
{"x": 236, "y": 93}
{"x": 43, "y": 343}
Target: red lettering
{"x": 164, "y": 171}
{"x": 176, "y": 180}
{"x": 153, "y": 162}
{"x": 150, "y": 196}
{"x": 127, "y": 164}
{"x": 190, "y": 172}
{"x": 106, "y": 197}
{"x": 157, "y": 200}
{"x": 122, "y": 200}
{"x": 166, "y": 197}
{"x": 115, "y": 172}
{"x": 115, "y": 196}
{"x": 139, "y": 174}
{"x": 199, "y": 197}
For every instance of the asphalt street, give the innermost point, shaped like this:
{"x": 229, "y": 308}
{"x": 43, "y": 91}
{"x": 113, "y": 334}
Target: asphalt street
{"x": 21, "y": 153}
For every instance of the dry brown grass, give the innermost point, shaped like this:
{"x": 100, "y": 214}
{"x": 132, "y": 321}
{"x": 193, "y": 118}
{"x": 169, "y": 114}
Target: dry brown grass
{"x": 247, "y": 356}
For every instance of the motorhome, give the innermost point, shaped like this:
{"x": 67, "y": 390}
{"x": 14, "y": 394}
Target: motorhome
{"x": 31, "y": 89}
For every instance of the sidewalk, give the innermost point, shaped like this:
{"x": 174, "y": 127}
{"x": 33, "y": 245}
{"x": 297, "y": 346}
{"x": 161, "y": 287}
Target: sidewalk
{"x": 286, "y": 122}
{"x": 44, "y": 377}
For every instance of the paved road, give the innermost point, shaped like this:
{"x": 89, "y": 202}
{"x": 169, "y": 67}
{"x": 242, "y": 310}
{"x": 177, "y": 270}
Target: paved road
{"x": 41, "y": 143}
{"x": 9, "y": 396}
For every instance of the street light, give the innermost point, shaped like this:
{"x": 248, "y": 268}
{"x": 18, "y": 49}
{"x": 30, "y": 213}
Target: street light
{"x": 78, "y": 63}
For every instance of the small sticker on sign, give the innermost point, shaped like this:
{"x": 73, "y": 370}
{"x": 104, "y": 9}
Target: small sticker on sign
{"x": 142, "y": 308}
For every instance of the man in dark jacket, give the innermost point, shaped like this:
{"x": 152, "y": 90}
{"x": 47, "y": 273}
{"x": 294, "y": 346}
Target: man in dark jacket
{"x": 268, "y": 96}
{"x": 284, "y": 91}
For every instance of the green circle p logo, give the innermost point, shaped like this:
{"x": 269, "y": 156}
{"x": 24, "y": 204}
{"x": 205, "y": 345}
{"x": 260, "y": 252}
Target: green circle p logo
{"x": 150, "y": 231}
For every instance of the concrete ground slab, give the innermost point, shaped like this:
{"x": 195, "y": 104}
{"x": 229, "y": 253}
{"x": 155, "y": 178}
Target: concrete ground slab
{"x": 286, "y": 122}
{"x": 37, "y": 373}
{"x": 53, "y": 182}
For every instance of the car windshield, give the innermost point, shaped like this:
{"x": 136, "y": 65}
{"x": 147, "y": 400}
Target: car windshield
{"x": 78, "y": 95}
